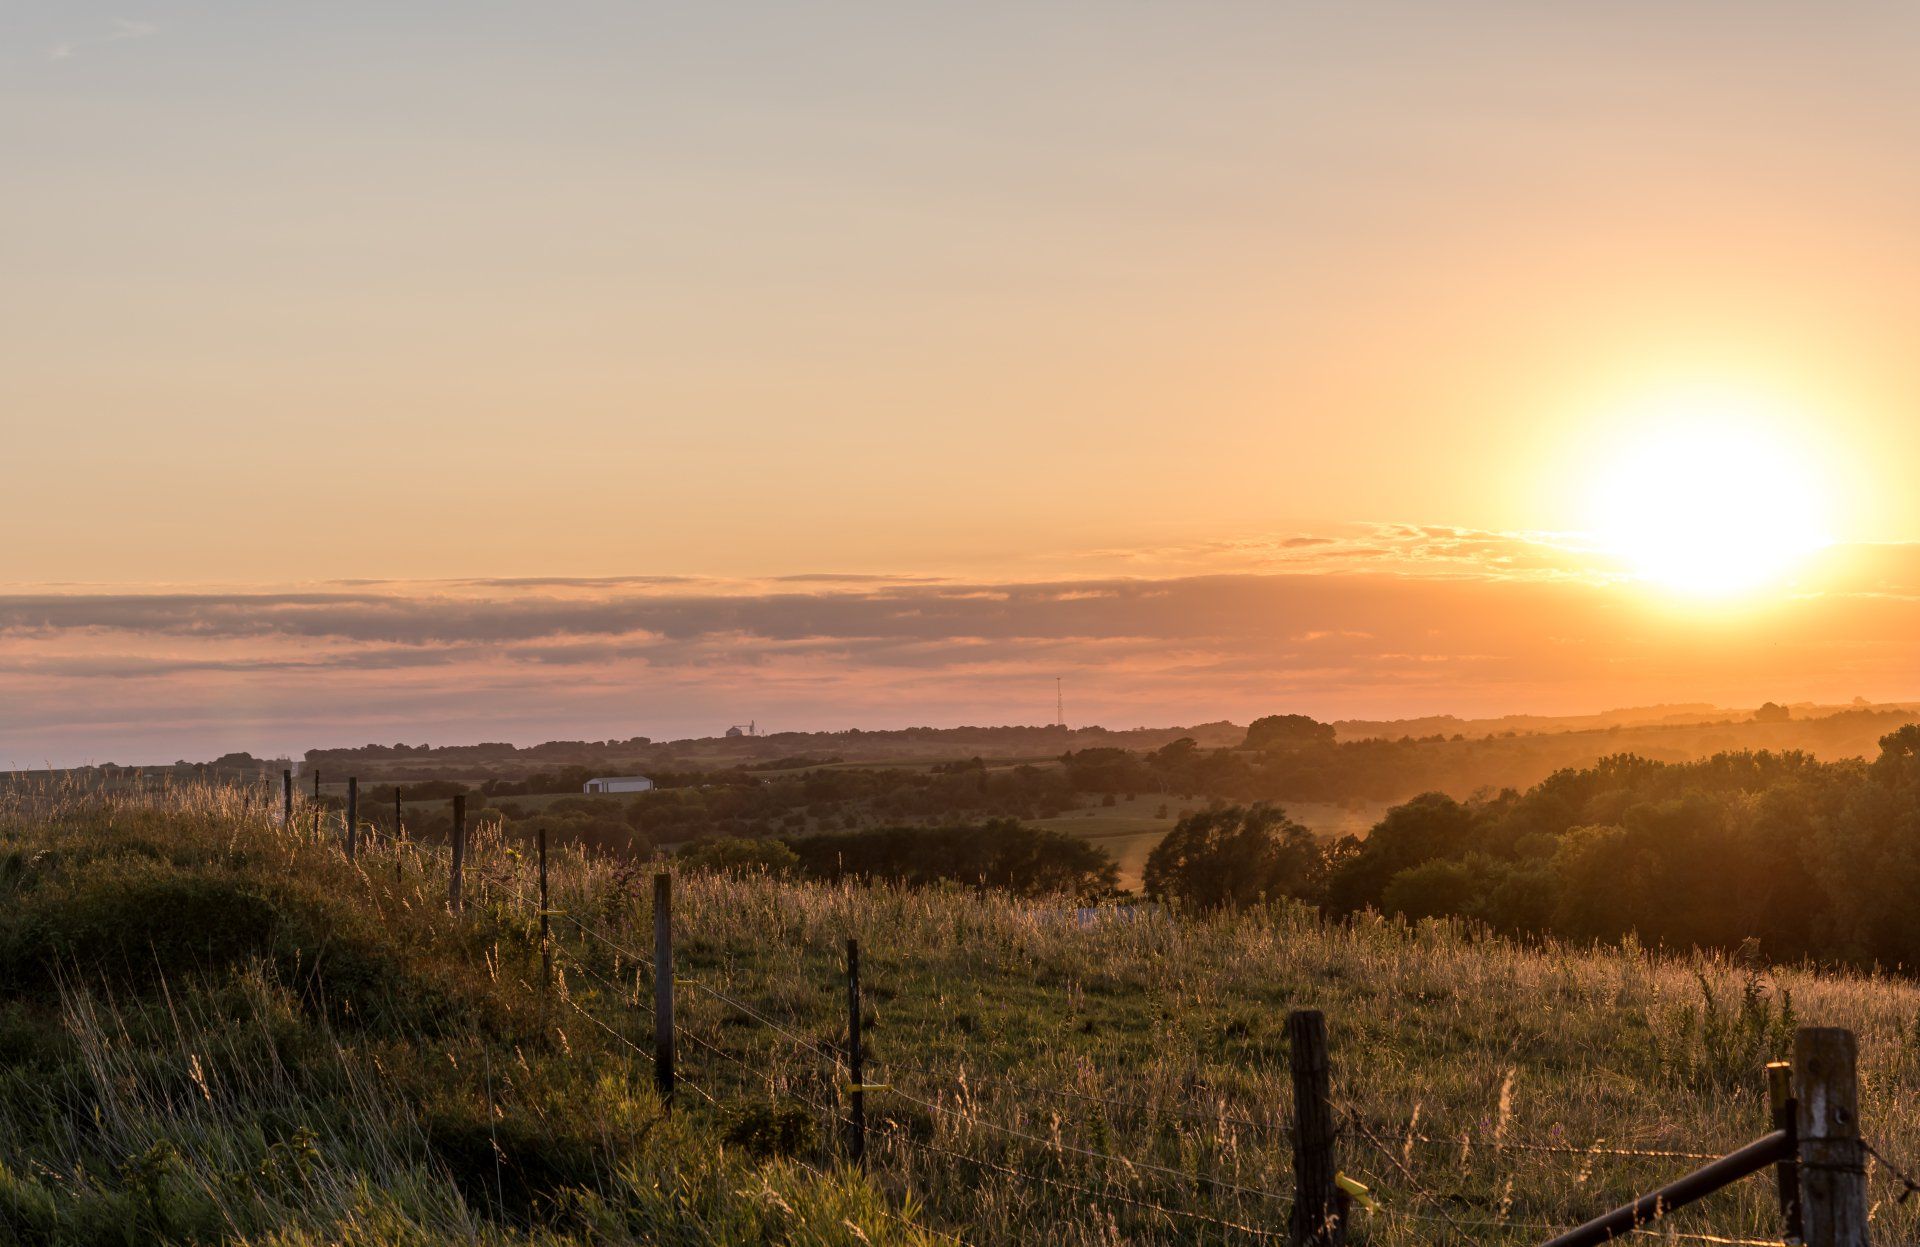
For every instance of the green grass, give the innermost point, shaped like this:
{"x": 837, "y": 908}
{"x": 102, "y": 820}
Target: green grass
{"x": 214, "y": 1031}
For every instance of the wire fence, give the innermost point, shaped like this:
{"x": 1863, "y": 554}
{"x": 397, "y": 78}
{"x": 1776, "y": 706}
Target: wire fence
{"x": 1431, "y": 1210}
{"x": 811, "y": 1071}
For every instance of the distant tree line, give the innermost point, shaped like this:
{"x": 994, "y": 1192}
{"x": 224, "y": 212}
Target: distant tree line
{"x": 1808, "y": 858}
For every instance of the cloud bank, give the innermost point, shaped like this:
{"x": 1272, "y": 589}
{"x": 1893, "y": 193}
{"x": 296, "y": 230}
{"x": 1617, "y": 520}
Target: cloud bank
{"x": 1396, "y": 620}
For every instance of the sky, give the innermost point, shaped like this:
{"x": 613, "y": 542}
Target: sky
{"x": 509, "y": 370}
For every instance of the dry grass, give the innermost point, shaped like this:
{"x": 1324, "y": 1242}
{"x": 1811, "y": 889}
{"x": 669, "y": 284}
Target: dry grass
{"x": 1118, "y": 1082}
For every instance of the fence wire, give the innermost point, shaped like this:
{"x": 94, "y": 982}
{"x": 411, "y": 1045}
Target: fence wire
{"x": 503, "y": 880}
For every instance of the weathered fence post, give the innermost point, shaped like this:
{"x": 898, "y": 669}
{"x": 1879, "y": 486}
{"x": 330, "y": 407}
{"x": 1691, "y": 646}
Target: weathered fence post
{"x": 353, "y": 817}
{"x": 1319, "y": 1209}
{"x": 1787, "y": 1172}
{"x": 454, "y": 900}
{"x": 1833, "y": 1170}
{"x": 856, "y": 1062}
{"x": 286, "y": 799}
{"x": 663, "y": 986}
{"x": 546, "y": 942}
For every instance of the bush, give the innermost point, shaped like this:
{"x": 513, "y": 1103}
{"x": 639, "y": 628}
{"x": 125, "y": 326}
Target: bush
{"x": 738, "y": 855}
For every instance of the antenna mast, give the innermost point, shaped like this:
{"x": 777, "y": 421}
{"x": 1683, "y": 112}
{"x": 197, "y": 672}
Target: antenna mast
{"x": 1059, "y": 705}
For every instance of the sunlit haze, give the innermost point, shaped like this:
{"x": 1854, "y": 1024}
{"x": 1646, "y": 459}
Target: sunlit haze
{"x": 588, "y": 369}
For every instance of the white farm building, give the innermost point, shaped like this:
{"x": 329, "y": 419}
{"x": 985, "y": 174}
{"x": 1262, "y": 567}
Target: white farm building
{"x": 619, "y": 783}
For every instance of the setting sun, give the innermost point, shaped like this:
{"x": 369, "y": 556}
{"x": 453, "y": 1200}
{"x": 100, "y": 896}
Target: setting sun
{"x": 1709, "y": 502}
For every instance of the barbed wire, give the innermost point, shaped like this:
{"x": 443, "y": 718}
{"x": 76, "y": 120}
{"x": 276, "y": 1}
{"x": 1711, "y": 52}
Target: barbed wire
{"x": 1133, "y": 1105}
{"x": 1144, "y": 1107}
{"x": 1056, "y": 1145}
{"x": 902, "y": 1137}
{"x": 1598, "y": 1148}
{"x": 1398, "y": 1163}
{"x": 575, "y": 1005}
{"x": 1457, "y": 1225}
{"x": 1907, "y": 1185}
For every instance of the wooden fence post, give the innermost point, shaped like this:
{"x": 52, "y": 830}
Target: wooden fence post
{"x": 663, "y": 986}
{"x": 1787, "y": 1172}
{"x": 856, "y": 1062}
{"x": 316, "y": 804}
{"x": 546, "y": 941}
{"x": 454, "y": 899}
{"x": 1319, "y": 1209}
{"x": 286, "y": 800}
{"x": 1833, "y": 1170}
{"x": 353, "y": 817}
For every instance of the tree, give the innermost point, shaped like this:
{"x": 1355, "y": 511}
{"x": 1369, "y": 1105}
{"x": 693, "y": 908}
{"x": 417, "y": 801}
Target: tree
{"x": 1772, "y": 712}
{"x": 1898, "y": 766}
{"x": 1287, "y": 731}
{"x": 1233, "y": 857}
{"x": 1430, "y": 827}
{"x": 1104, "y": 769}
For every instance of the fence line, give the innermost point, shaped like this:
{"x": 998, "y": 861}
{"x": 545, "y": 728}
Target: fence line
{"x": 1820, "y": 1150}
{"x": 1331, "y": 1230}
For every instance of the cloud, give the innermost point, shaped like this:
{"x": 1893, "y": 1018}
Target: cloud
{"x": 1390, "y": 621}
{"x": 1413, "y": 549}
{"x": 119, "y": 30}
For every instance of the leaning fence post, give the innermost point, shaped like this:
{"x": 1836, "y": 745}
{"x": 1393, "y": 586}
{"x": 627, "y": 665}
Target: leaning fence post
{"x": 663, "y": 986}
{"x": 1833, "y": 1170}
{"x": 454, "y": 900}
{"x": 1787, "y": 1172}
{"x": 353, "y": 817}
{"x": 286, "y": 799}
{"x": 546, "y": 943}
{"x": 856, "y": 1062}
{"x": 1319, "y": 1211}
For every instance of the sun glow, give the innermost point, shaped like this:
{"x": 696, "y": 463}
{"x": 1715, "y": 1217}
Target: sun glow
{"x": 1709, "y": 499}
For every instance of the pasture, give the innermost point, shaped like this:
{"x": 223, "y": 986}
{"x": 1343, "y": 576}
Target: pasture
{"x": 223, "y": 1031}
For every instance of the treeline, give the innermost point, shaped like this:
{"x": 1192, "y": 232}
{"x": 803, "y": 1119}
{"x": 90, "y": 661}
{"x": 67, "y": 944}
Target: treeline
{"x": 1291, "y": 761}
{"x": 639, "y": 754}
{"x": 687, "y": 806}
{"x": 1803, "y": 858}
{"x": 228, "y": 768}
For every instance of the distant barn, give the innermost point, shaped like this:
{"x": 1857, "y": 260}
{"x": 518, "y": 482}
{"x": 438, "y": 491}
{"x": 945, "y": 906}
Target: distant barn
{"x": 618, "y": 783}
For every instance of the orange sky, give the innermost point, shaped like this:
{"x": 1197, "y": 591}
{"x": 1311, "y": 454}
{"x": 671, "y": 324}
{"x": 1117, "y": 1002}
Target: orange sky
{"x": 1004, "y": 294}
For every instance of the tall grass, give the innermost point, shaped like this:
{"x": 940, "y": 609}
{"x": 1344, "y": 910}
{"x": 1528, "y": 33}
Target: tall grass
{"x": 222, "y": 1031}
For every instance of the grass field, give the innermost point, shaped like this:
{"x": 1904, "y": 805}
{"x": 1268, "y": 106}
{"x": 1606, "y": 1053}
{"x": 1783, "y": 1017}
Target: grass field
{"x": 219, "y": 1032}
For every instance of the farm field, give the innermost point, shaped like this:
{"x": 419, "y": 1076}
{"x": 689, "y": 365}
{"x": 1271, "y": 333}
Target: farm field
{"x": 221, "y": 1031}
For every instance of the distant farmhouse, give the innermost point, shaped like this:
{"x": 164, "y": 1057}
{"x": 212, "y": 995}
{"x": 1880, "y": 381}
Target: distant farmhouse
{"x": 618, "y": 783}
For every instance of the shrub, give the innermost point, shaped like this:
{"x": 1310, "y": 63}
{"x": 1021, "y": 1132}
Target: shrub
{"x": 737, "y": 855}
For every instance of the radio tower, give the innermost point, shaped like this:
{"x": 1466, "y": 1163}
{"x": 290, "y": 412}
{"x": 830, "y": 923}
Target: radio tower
{"x": 1059, "y": 706}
